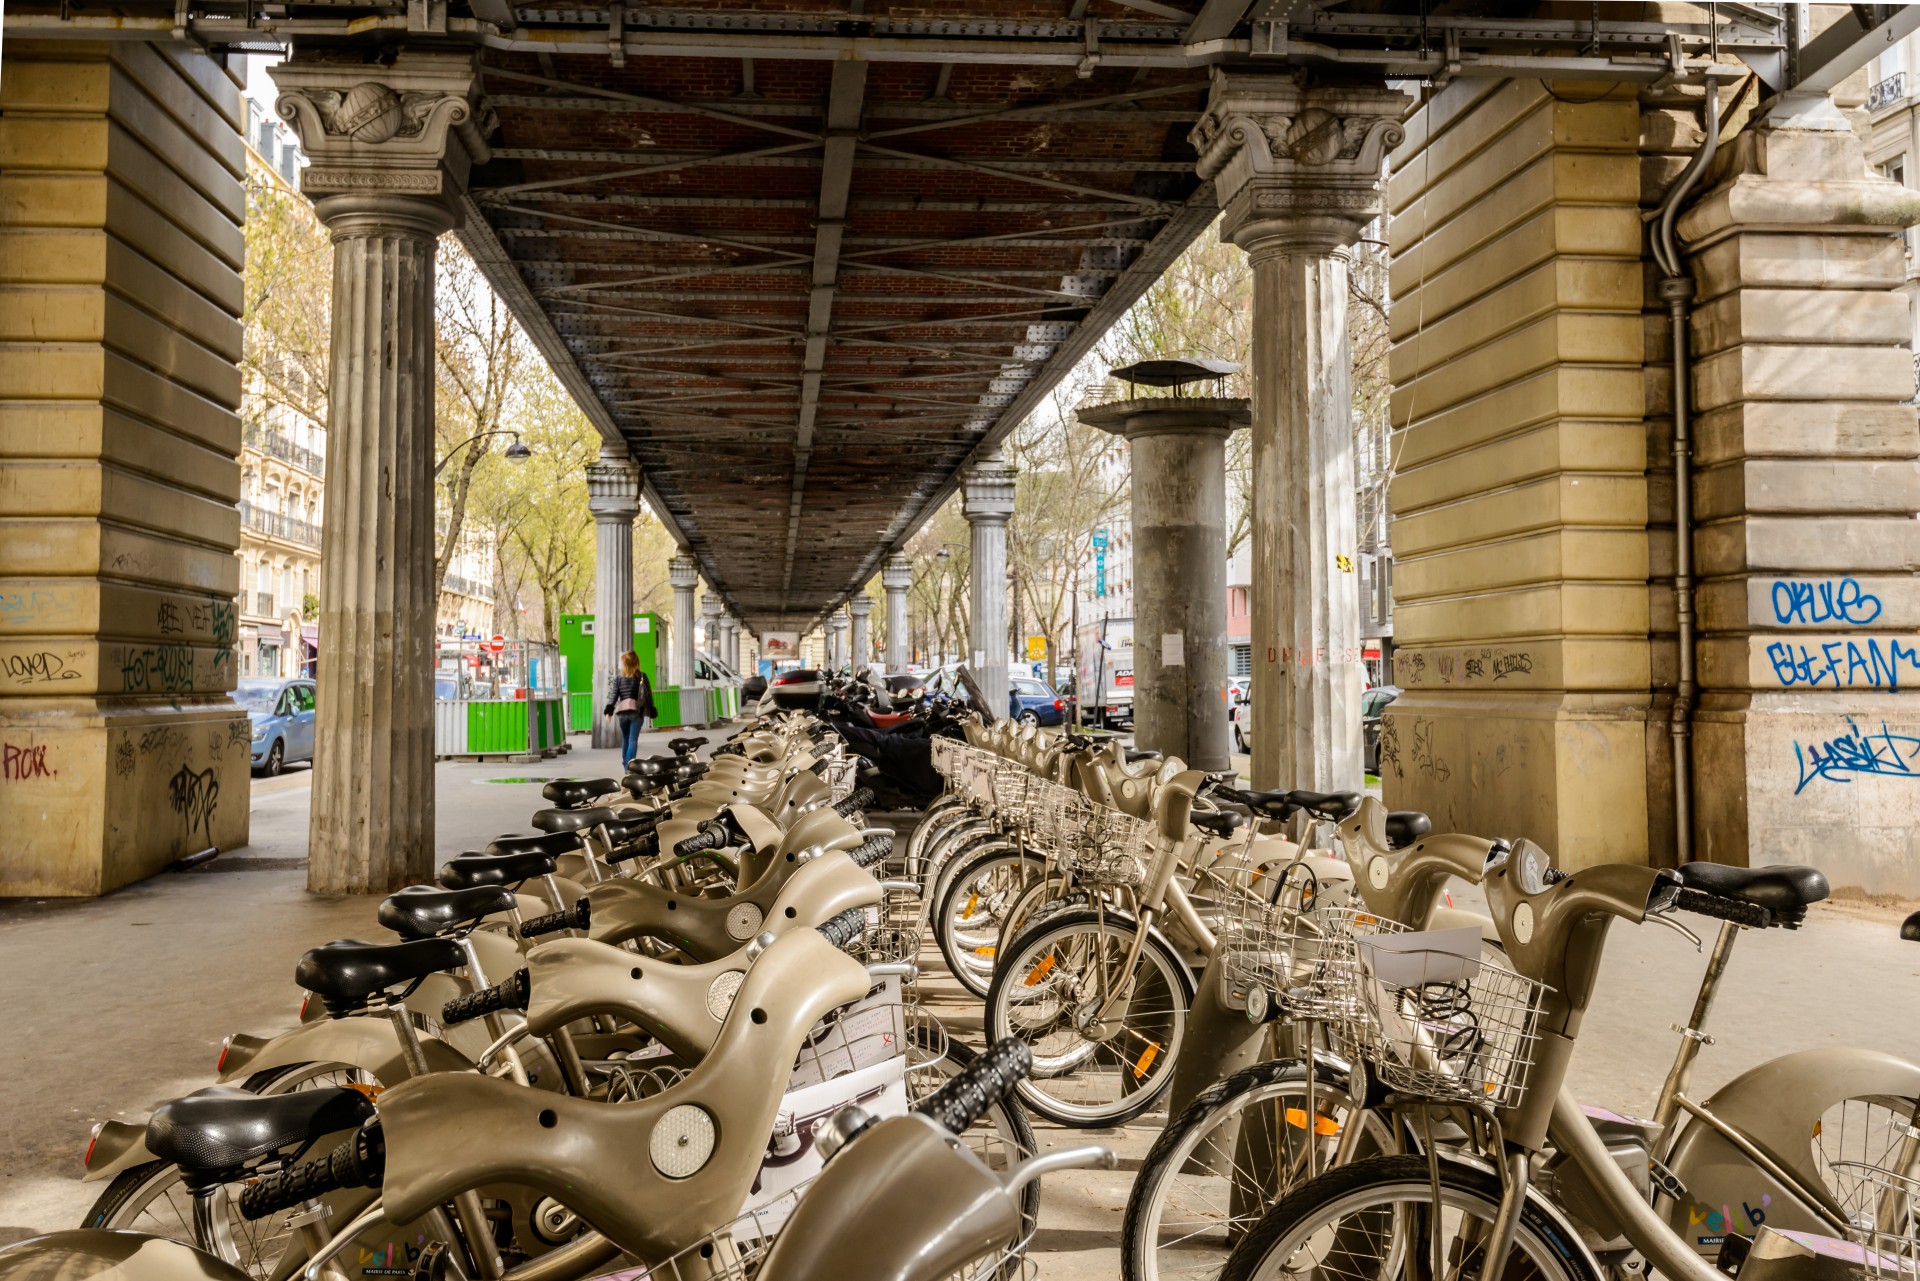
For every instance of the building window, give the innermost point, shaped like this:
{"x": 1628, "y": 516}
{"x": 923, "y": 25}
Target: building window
{"x": 1239, "y": 661}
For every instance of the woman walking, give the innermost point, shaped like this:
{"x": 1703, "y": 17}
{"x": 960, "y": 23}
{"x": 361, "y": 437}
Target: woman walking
{"x": 629, "y": 704}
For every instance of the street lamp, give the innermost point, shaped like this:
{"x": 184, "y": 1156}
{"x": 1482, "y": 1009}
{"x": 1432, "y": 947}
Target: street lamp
{"x": 517, "y": 452}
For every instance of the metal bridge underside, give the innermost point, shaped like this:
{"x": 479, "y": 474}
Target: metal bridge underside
{"x": 804, "y": 290}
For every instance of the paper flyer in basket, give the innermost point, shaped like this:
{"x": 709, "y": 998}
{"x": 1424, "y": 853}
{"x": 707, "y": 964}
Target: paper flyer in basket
{"x": 1418, "y": 957}
{"x": 869, "y": 1031}
{"x": 792, "y": 1159}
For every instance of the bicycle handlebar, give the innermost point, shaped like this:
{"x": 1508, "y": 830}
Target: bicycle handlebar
{"x": 358, "y": 1163}
{"x": 577, "y": 917}
{"x": 982, "y": 1083}
{"x": 509, "y": 994}
{"x": 712, "y": 835}
{"x": 846, "y": 927}
{"x": 649, "y": 843}
{"x": 1700, "y": 903}
{"x": 858, "y": 799}
{"x": 872, "y": 852}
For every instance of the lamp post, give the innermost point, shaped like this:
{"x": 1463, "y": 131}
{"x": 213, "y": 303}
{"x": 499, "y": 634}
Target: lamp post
{"x": 518, "y": 452}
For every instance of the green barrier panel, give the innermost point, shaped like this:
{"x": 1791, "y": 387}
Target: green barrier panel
{"x": 666, "y": 703}
{"x": 496, "y": 726}
{"x": 580, "y": 713}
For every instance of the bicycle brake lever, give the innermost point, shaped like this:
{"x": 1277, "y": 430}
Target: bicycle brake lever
{"x": 1064, "y": 1159}
{"x": 1662, "y": 918}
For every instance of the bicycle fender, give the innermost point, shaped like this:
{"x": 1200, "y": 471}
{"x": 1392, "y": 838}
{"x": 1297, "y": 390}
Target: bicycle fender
{"x": 120, "y": 1145}
{"x": 366, "y": 1042}
{"x": 1777, "y": 1106}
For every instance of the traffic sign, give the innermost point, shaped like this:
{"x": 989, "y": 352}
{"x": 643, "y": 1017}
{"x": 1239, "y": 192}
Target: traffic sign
{"x": 498, "y": 644}
{"x": 1100, "y": 537}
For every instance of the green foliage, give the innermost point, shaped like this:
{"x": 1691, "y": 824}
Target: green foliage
{"x": 310, "y": 606}
{"x": 287, "y": 293}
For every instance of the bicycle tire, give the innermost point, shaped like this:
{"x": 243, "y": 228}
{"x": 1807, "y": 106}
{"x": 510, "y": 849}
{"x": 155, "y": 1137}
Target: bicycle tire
{"x": 1020, "y": 919}
{"x": 1550, "y": 1250}
{"x": 1146, "y": 1048}
{"x": 1199, "y": 1133}
{"x": 935, "y": 817}
{"x": 941, "y": 850}
{"x": 970, "y": 848}
{"x": 971, "y": 969}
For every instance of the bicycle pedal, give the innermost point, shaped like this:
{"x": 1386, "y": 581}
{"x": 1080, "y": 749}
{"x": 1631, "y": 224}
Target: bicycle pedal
{"x": 1666, "y": 1180}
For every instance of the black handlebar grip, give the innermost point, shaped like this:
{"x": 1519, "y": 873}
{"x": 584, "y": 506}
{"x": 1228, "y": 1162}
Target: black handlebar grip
{"x": 873, "y": 851}
{"x": 1751, "y": 915}
{"x": 984, "y": 1082}
{"x": 358, "y": 1163}
{"x": 846, "y": 927}
{"x": 641, "y": 848}
{"x": 577, "y": 917}
{"x": 858, "y": 799}
{"x": 710, "y": 836}
{"x": 509, "y": 994}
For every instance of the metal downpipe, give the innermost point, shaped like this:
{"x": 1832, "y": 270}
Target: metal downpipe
{"x": 1676, "y": 290}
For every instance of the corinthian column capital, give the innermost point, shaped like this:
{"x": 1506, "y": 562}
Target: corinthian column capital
{"x": 1296, "y": 167}
{"x": 613, "y": 486}
{"x": 414, "y": 128}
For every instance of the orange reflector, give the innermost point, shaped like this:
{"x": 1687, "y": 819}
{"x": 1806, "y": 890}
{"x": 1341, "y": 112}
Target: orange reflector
{"x": 988, "y": 950}
{"x": 1322, "y": 1125}
{"x": 973, "y": 901}
{"x": 1145, "y": 1061}
{"x": 371, "y": 1091}
{"x": 1040, "y": 971}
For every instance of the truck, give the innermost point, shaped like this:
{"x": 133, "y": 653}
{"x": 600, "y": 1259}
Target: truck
{"x": 1105, "y": 672}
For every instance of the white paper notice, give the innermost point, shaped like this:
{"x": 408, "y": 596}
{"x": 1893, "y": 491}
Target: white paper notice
{"x": 979, "y": 658}
{"x": 1173, "y": 649}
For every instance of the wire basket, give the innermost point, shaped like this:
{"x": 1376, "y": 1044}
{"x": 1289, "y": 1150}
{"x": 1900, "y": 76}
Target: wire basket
{"x": 1271, "y": 938}
{"x": 1440, "y": 1025}
{"x": 1883, "y": 1216}
{"x": 1112, "y": 849}
{"x": 1059, "y": 821}
{"x": 854, "y": 1036}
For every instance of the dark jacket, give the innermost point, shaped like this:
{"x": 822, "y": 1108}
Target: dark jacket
{"x": 635, "y": 687}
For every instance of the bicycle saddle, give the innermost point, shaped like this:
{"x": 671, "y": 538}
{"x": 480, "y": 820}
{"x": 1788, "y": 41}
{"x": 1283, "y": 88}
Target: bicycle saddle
{"x": 422, "y": 911}
{"x": 685, "y": 745}
{"x": 221, "y": 1128}
{"x": 550, "y": 843}
{"x": 1783, "y": 889}
{"x": 1404, "y": 827}
{"x": 343, "y": 975}
{"x": 557, "y": 820}
{"x": 469, "y": 870}
{"x": 570, "y": 793}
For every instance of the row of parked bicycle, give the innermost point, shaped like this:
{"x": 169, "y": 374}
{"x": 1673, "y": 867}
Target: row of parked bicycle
{"x": 673, "y": 1034}
{"x": 1362, "y": 1079}
{"x": 625, "y": 1044}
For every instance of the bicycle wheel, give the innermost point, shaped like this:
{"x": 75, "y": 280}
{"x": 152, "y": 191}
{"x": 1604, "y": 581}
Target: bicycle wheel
{"x": 938, "y": 816}
{"x": 942, "y": 849}
{"x": 967, "y": 925}
{"x": 1228, "y": 1157}
{"x": 1038, "y": 903}
{"x": 1377, "y": 1219}
{"x": 1050, "y": 990}
{"x": 1002, "y": 1137}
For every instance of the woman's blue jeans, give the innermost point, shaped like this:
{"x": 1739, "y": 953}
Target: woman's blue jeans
{"x": 631, "y": 723}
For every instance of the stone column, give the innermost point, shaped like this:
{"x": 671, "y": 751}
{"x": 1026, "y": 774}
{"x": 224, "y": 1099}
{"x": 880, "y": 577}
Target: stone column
{"x": 860, "y": 609}
{"x": 1806, "y": 740}
{"x": 613, "y": 496}
{"x": 683, "y": 574}
{"x": 837, "y": 641}
{"x": 987, "y": 504}
{"x": 710, "y": 611}
{"x": 390, "y": 149}
{"x": 1179, "y": 570}
{"x": 897, "y": 577}
{"x": 1298, "y": 175}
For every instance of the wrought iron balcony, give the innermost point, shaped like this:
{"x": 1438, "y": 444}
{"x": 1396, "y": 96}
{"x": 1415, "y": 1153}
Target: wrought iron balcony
{"x": 289, "y": 529}
{"x": 467, "y": 587}
{"x": 278, "y": 445}
{"x": 1889, "y": 91}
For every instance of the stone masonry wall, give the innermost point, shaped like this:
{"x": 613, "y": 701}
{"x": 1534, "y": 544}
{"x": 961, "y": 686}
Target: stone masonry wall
{"x": 121, "y": 199}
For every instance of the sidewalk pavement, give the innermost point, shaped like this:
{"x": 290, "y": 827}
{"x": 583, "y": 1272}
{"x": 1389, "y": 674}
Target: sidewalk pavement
{"x": 115, "y": 1004}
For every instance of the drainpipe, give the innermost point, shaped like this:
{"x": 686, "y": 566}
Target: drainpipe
{"x": 1676, "y": 290}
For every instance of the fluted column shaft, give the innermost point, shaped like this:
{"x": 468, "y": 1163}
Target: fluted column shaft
{"x": 371, "y": 829}
{"x": 897, "y": 577}
{"x": 613, "y": 496}
{"x": 683, "y": 572}
{"x": 860, "y": 609}
{"x": 988, "y": 506}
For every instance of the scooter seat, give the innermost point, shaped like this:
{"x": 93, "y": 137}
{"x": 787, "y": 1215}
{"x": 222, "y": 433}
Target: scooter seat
{"x": 343, "y": 975}
{"x": 469, "y": 870}
{"x": 422, "y": 911}
{"x": 1404, "y": 827}
{"x": 553, "y": 844}
{"x": 571, "y": 820}
{"x": 1783, "y": 889}
{"x": 222, "y": 1128}
{"x": 571, "y": 793}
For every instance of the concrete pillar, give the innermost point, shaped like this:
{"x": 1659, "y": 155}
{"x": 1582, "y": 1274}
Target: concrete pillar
{"x": 1806, "y": 741}
{"x": 710, "y": 611}
{"x": 390, "y": 148}
{"x": 683, "y": 574}
{"x": 121, "y": 200}
{"x": 1180, "y": 570}
{"x": 613, "y": 496}
{"x": 837, "y": 641}
{"x": 897, "y": 577}
{"x": 860, "y": 609}
{"x": 987, "y": 503}
{"x": 1298, "y": 173}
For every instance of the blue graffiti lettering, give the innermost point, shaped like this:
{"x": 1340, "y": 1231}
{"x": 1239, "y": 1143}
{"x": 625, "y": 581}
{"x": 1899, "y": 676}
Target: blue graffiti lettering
{"x": 1875, "y": 661}
{"x": 1843, "y": 757}
{"x": 1824, "y": 602}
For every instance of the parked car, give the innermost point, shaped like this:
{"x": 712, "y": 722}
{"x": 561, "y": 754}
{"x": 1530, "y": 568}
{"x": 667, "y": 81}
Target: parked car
{"x": 1034, "y": 702}
{"x": 282, "y": 716}
{"x": 1372, "y": 703}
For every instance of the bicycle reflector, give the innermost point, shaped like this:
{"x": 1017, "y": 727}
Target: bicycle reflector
{"x": 226, "y": 1045}
{"x": 93, "y": 1139}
